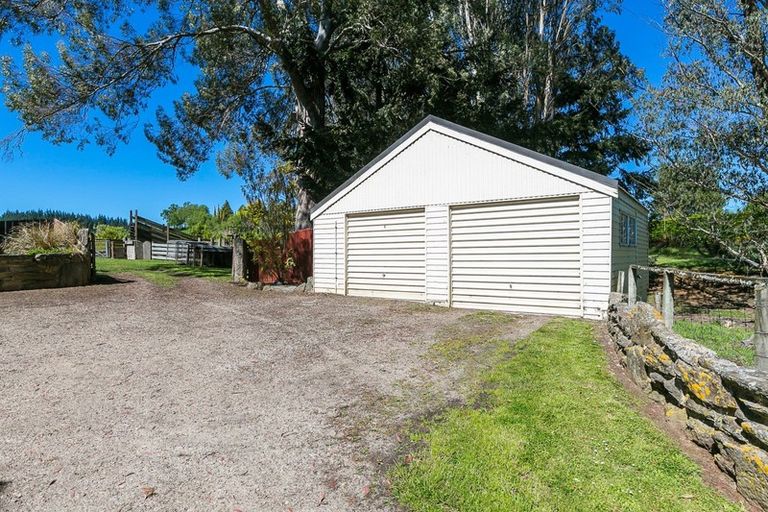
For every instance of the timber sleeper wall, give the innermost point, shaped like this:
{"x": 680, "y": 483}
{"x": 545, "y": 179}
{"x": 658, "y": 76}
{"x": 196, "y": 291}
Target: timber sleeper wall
{"x": 44, "y": 271}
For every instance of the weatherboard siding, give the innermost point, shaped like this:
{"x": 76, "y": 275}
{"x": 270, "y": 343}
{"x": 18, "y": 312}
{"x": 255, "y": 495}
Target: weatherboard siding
{"x": 596, "y": 253}
{"x": 622, "y": 256}
{"x": 328, "y": 255}
{"x": 437, "y": 248}
{"x": 438, "y": 169}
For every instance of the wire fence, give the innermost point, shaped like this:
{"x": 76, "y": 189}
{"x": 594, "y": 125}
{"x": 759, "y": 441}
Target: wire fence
{"x": 702, "y": 298}
{"x": 726, "y": 313}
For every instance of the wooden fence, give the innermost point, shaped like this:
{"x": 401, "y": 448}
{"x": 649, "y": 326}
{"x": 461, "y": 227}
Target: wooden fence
{"x": 298, "y": 250}
{"x": 174, "y": 250}
{"x": 192, "y": 253}
{"x": 110, "y": 248}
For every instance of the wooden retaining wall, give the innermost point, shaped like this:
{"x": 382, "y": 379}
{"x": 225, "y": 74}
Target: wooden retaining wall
{"x": 44, "y": 271}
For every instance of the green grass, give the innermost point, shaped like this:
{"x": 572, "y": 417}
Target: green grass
{"x": 159, "y": 272}
{"x": 472, "y": 332}
{"x": 688, "y": 259}
{"x": 725, "y": 341}
{"x": 557, "y": 432}
{"x": 739, "y": 315}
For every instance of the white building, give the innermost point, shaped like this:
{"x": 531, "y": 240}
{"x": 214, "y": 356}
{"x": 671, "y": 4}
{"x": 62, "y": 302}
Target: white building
{"x": 450, "y": 216}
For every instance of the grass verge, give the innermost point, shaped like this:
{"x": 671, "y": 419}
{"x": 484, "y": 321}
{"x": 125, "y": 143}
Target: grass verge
{"x": 472, "y": 333}
{"x": 159, "y": 272}
{"x": 688, "y": 259}
{"x": 725, "y": 341}
{"x": 557, "y": 433}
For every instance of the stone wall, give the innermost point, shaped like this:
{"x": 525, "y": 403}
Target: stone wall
{"x": 725, "y": 406}
{"x": 44, "y": 271}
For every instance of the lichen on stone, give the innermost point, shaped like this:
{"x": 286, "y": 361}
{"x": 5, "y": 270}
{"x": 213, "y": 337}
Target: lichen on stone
{"x": 705, "y": 386}
{"x": 725, "y": 406}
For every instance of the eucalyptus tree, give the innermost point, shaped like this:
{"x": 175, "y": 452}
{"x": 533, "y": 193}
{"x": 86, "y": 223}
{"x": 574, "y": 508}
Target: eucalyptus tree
{"x": 708, "y": 124}
{"x": 274, "y": 77}
{"x": 549, "y": 75}
{"x": 320, "y": 86}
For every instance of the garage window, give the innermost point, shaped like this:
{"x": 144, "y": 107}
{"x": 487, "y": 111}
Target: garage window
{"x": 628, "y": 236}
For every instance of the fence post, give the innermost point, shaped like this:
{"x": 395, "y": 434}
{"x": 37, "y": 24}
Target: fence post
{"x": 239, "y": 263}
{"x": 760, "y": 337}
{"x": 82, "y": 237}
{"x": 631, "y": 286}
{"x": 620, "y": 282}
{"x": 668, "y": 304}
{"x": 88, "y": 242}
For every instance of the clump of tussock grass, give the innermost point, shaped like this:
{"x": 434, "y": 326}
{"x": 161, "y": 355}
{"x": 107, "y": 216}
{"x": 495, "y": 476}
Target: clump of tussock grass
{"x": 43, "y": 237}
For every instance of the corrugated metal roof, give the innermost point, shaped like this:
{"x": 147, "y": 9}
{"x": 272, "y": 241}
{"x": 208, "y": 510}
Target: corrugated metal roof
{"x": 554, "y": 162}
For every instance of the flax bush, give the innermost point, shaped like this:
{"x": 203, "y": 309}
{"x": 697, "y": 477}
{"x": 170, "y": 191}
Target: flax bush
{"x": 44, "y": 237}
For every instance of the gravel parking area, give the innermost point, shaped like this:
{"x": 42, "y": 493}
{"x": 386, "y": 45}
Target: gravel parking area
{"x": 205, "y": 396}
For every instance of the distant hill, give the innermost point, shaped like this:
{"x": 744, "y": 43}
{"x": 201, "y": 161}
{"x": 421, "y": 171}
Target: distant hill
{"x": 85, "y": 220}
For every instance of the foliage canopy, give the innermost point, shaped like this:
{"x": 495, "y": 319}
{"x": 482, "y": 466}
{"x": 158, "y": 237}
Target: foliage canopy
{"x": 708, "y": 123}
{"x": 107, "y": 232}
{"x": 322, "y": 85}
{"x": 197, "y": 220}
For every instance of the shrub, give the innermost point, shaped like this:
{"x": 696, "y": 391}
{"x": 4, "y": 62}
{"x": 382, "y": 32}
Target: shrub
{"x": 44, "y": 237}
{"x": 111, "y": 232}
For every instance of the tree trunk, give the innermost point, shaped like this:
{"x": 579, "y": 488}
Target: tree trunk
{"x": 305, "y": 203}
{"x": 303, "y": 208}
{"x": 306, "y": 70}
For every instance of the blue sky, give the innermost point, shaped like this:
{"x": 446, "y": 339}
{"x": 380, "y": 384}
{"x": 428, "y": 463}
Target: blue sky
{"x": 90, "y": 181}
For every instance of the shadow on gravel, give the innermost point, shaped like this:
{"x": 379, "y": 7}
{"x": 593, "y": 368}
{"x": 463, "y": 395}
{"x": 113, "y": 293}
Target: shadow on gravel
{"x": 107, "y": 279}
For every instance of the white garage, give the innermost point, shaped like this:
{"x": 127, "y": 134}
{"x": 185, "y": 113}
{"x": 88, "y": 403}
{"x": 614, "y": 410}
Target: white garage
{"x": 454, "y": 217}
{"x": 385, "y": 255}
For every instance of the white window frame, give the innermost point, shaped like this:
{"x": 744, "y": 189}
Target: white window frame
{"x": 627, "y": 230}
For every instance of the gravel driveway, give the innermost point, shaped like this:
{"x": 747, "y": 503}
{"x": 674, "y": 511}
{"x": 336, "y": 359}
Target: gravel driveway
{"x": 206, "y": 396}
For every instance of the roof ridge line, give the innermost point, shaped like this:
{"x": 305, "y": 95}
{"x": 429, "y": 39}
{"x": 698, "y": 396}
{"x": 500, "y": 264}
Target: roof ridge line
{"x": 490, "y": 139}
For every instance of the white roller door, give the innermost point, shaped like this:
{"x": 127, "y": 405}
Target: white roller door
{"x": 521, "y": 256}
{"x": 386, "y": 255}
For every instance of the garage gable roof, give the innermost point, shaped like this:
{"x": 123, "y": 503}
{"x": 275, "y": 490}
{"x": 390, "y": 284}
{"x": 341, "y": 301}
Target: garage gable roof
{"x": 523, "y": 155}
